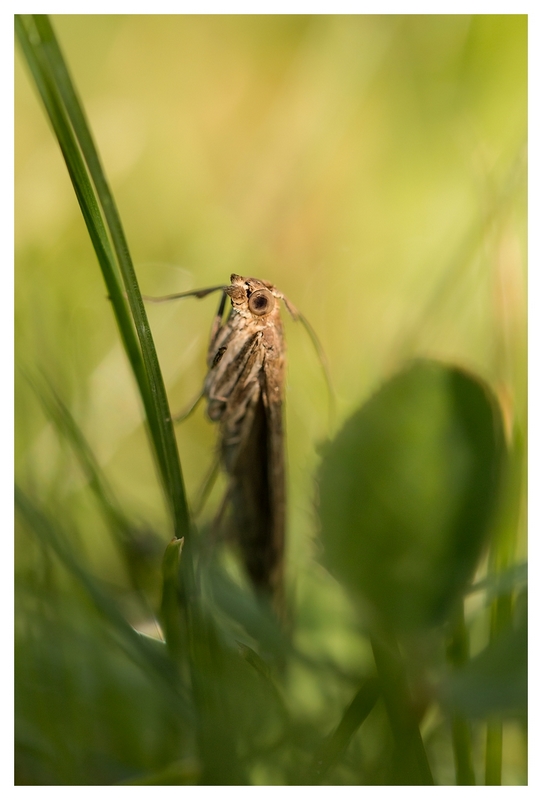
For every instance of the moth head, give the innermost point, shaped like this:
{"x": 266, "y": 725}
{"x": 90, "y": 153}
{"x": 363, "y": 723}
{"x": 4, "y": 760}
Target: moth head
{"x": 256, "y": 294}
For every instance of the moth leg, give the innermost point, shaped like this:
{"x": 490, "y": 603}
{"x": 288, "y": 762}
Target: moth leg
{"x": 193, "y": 293}
{"x": 206, "y": 488}
{"x": 182, "y": 415}
{"x": 217, "y": 325}
{"x": 218, "y": 531}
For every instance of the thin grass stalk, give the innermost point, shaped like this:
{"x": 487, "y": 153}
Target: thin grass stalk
{"x": 334, "y": 747}
{"x": 493, "y": 773}
{"x": 500, "y": 560}
{"x": 458, "y": 654}
{"x": 501, "y": 615}
{"x": 140, "y": 649}
{"x": 411, "y": 763}
{"x": 142, "y": 355}
{"x": 119, "y": 525}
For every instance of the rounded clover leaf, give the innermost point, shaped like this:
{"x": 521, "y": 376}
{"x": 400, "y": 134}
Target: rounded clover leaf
{"x": 408, "y": 489}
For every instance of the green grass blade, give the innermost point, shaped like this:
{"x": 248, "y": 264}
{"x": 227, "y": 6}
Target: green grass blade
{"x": 354, "y": 716}
{"x": 139, "y": 648}
{"x": 501, "y": 560}
{"x": 458, "y": 655}
{"x": 493, "y": 773}
{"x": 67, "y": 117}
{"x": 158, "y": 412}
{"x": 124, "y": 532}
{"x": 411, "y": 764}
{"x": 83, "y": 189}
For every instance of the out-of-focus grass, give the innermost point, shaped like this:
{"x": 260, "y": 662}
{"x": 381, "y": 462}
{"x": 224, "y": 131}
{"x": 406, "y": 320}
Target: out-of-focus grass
{"x": 373, "y": 168}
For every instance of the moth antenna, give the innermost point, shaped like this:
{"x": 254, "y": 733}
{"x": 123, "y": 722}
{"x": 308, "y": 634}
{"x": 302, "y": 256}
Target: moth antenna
{"x": 292, "y": 310}
{"x": 323, "y": 363}
{"x": 199, "y": 293}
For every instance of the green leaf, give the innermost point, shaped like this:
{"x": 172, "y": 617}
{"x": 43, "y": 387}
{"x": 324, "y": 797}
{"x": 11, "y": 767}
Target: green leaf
{"x": 495, "y": 681}
{"x": 408, "y": 490}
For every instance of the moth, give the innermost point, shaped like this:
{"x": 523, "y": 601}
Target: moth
{"x": 244, "y": 390}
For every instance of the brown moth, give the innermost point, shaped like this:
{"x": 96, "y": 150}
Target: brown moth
{"x": 244, "y": 389}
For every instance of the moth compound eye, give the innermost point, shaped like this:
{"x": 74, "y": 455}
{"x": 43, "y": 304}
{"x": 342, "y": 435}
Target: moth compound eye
{"x": 261, "y": 302}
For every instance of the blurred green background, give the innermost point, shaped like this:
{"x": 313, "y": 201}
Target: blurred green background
{"x": 372, "y": 167}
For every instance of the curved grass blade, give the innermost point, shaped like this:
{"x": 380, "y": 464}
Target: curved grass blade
{"x": 124, "y": 533}
{"x": 69, "y": 123}
{"x": 411, "y": 765}
{"x": 141, "y": 649}
{"x": 457, "y": 653}
{"x": 354, "y": 716}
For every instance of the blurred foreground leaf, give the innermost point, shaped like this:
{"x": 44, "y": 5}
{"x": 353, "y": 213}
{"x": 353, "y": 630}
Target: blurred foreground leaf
{"x": 408, "y": 490}
{"x": 495, "y": 681}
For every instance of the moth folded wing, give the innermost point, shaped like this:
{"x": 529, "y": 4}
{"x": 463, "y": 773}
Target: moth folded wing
{"x": 272, "y": 399}
{"x": 256, "y": 493}
{"x": 274, "y": 375}
{"x": 243, "y": 451}
{"x": 244, "y": 392}
{"x": 234, "y": 395}
{"x": 257, "y": 488}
